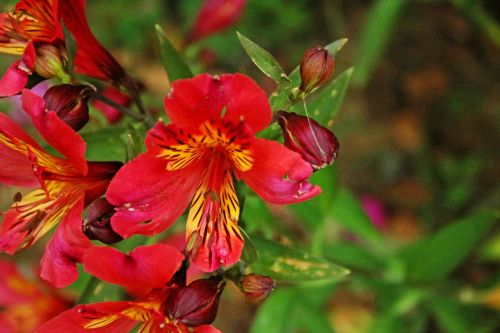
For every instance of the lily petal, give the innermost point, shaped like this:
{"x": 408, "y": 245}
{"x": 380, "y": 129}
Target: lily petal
{"x": 146, "y": 266}
{"x": 191, "y": 102}
{"x": 65, "y": 249}
{"x": 55, "y": 131}
{"x": 148, "y": 197}
{"x": 279, "y": 175}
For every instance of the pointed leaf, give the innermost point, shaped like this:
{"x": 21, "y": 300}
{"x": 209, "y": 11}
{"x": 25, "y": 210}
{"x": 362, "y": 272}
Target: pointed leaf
{"x": 172, "y": 61}
{"x": 448, "y": 247}
{"x": 263, "y": 59}
{"x": 292, "y": 265}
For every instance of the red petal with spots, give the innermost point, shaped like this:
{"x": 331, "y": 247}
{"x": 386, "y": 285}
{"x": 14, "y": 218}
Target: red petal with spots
{"x": 55, "y": 131}
{"x": 194, "y": 101}
{"x": 17, "y": 75}
{"x": 148, "y": 198}
{"x": 65, "y": 249}
{"x": 146, "y": 266}
{"x": 16, "y": 169}
{"x": 279, "y": 175}
{"x": 74, "y": 320}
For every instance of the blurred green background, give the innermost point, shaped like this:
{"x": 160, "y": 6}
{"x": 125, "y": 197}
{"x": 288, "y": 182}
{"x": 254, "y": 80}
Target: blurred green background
{"x": 419, "y": 134}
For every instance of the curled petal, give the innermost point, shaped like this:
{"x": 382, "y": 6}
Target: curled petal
{"x": 148, "y": 197}
{"x": 55, "y": 131}
{"x": 16, "y": 76}
{"x": 65, "y": 249}
{"x": 279, "y": 175}
{"x": 146, "y": 266}
{"x": 235, "y": 96}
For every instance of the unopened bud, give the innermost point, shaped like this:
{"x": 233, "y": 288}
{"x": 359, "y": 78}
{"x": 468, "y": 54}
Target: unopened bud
{"x": 316, "y": 68}
{"x": 315, "y": 143}
{"x": 197, "y": 303}
{"x": 51, "y": 61}
{"x": 97, "y": 226}
{"x": 256, "y": 287}
{"x": 69, "y": 103}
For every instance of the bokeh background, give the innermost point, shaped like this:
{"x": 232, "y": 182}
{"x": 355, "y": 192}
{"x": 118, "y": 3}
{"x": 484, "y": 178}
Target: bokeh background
{"x": 419, "y": 134}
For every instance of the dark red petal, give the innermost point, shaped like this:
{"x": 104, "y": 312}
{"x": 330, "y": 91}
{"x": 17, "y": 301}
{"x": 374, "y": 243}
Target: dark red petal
{"x": 16, "y": 168}
{"x": 146, "y": 266}
{"x": 279, "y": 175}
{"x": 65, "y": 249}
{"x": 74, "y": 320}
{"x": 91, "y": 58}
{"x": 148, "y": 197}
{"x": 194, "y": 101}
{"x": 55, "y": 131}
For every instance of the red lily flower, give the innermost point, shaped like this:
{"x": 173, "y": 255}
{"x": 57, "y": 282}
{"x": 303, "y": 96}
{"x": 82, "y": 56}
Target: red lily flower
{"x": 169, "y": 307}
{"x": 91, "y": 58}
{"x": 24, "y": 305}
{"x": 211, "y": 140}
{"x": 32, "y": 23}
{"x": 64, "y": 187}
{"x": 215, "y": 16}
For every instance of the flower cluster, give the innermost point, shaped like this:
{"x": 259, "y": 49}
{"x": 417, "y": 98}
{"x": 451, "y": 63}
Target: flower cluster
{"x": 195, "y": 162}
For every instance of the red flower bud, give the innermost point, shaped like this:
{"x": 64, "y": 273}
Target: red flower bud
{"x": 215, "y": 16}
{"x": 69, "y": 103}
{"x": 197, "y": 303}
{"x": 256, "y": 287}
{"x": 315, "y": 143}
{"x": 316, "y": 68}
{"x": 51, "y": 61}
{"x": 96, "y": 225}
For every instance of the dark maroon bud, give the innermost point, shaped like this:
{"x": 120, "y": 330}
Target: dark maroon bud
{"x": 197, "y": 303}
{"x": 51, "y": 61}
{"x": 256, "y": 287}
{"x": 97, "y": 226}
{"x": 315, "y": 143}
{"x": 70, "y": 103}
{"x": 316, "y": 68}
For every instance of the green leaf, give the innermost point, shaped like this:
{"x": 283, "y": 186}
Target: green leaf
{"x": 348, "y": 212}
{"x": 313, "y": 320}
{"x": 249, "y": 254}
{"x": 289, "y": 264}
{"x": 172, "y": 61}
{"x": 263, "y": 59}
{"x": 134, "y": 142}
{"x": 325, "y": 105}
{"x": 273, "y": 315}
{"x": 70, "y": 43}
{"x": 452, "y": 316}
{"x": 434, "y": 257}
{"x": 375, "y": 35}
{"x": 354, "y": 256}
{"x": 105, "y": 144}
